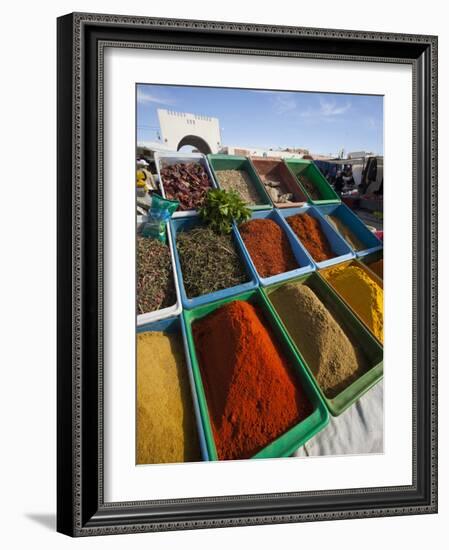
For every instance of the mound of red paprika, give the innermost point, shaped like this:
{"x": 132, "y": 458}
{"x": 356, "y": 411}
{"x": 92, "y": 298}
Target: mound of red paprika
{"x": 309, "y": 232}
{"x": 252, "y": 394}
{"x": 268, "y": 246}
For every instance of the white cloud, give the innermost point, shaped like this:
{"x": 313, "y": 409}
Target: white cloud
{"x": 328, "y": 109}
{"x": 145, "y": 97}
{"x": 284, "y": 103}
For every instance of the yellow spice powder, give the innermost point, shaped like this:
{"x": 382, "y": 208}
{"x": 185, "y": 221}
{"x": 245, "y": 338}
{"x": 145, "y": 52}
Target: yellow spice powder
{"x": 166, "y": 430}
{"x": 362, "y": 293}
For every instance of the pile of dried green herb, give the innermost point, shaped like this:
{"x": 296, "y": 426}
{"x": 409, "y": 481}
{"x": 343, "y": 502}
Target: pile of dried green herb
{"x": 155, "y": 283}
{"x": 209, "y": 262}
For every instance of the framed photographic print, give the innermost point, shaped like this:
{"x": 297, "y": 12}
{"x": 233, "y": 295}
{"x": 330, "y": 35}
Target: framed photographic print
{"x": 232, "y": 347}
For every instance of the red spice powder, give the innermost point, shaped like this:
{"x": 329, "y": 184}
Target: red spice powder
{"x": 268, "y": 247}
{"x": 309, "y": 232}
{"x": 252, "y": 395}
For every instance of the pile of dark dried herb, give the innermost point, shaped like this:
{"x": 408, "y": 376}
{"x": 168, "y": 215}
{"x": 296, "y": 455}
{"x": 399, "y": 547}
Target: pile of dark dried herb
{"x": 155, "y": 282}
{"x": 209, "y": 261}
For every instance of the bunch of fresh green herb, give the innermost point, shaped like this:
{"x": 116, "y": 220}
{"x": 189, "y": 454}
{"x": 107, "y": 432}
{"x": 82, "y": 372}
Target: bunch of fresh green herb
{"x": 221, "y": 208}
{"x": 209, "y": 261}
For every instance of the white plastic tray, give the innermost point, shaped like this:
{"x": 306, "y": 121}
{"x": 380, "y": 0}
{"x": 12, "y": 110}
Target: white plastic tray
{"x": 174, "y": 158}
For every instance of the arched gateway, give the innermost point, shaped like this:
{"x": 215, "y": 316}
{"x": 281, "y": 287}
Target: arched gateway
{"x": 199, "y": 131}
{"x": 196, "y": 142}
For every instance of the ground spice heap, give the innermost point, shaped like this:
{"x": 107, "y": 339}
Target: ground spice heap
{"x": 362, "y": 293}
{"x": 309, "y": 232}
{"x": 155, "y": 283}
{"x": 240, "y": 182}
{"x": 377, "y": 268}
{"x": 252, "y": 395}
{"x": 166, "y": 428}
{"x": 345, "y": 232}
{"x": 333, "y": 359}
{"x": 268, "y": 247}
{"x": 209, "y": 261}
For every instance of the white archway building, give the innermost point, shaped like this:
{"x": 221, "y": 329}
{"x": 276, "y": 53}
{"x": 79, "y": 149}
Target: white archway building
{"x": 179, "y": 129}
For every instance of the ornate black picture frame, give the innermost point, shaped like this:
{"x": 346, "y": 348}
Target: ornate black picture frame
{"x": 81, "y": 510}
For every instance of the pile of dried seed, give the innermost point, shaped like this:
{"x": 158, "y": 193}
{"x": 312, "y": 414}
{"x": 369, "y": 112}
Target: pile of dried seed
{"x": 240, "y": 182}
{"x": 209, "y": 262}
{"x": 155, "y": 283}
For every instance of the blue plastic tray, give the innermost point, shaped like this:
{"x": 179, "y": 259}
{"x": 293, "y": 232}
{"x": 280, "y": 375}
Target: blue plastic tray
{"x": 302, "y": 257}
{"x": 171, "y": 325}
{"x": 184, "y": 224}
{"x": 338, "y": 244}
{"x": 355, "y": 224}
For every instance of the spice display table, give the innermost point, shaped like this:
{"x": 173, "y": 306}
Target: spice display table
{"x": 285, "y": 255}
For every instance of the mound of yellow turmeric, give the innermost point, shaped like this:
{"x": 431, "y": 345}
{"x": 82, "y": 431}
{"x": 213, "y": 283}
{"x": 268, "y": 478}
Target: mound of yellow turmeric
{"x": 166, "y": 429}
{"x": 361, "y": 292}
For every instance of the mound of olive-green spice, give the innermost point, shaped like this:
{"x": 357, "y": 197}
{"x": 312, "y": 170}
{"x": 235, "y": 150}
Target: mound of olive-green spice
{"x": 209, "y": 262}
{"x": 331, "y": 356}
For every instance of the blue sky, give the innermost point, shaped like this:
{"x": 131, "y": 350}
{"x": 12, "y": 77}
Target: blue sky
{"x": 322, "y": 123}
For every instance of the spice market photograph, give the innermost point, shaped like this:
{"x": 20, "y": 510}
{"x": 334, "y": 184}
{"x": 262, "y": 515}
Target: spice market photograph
{"x": 259, "y": 273}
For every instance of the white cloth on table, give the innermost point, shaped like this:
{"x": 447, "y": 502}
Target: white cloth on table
{"x": 359, "y": 430}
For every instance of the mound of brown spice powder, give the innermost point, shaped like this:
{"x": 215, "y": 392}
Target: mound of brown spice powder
{"x": 252, "y": 394}
{"x": 346, "y": 232}
{"x": 333, "y": 358}
{"x": 309, "y": 232}
{"x": 268, "y": 247}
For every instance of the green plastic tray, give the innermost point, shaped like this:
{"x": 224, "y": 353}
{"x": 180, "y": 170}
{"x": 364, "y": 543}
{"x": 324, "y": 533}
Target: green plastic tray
{"x": 287, "y": 443}
{"x": 370, "y": 274}
{"x": 353, "y": 328}
{"x": 231, "y": 162}
{"x": 308, "y": 168}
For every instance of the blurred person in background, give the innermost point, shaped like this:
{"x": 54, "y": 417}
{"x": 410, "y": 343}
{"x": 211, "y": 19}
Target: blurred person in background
{"x": 339, "y": 182}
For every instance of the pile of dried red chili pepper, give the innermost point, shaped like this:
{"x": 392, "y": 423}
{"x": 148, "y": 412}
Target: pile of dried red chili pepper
{"x": 187, "y": 183}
